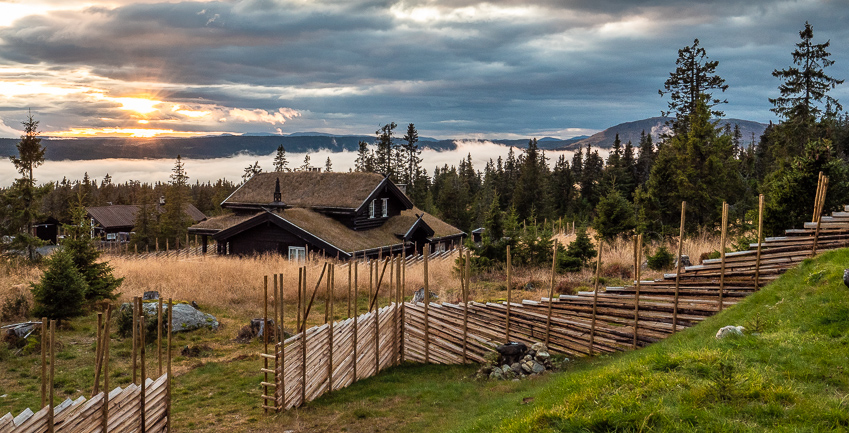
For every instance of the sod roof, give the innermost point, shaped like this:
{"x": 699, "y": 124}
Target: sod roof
{"x": 307, "y": 189}
{"x": 336, "y": 233}
{"x": 117, "y": 216}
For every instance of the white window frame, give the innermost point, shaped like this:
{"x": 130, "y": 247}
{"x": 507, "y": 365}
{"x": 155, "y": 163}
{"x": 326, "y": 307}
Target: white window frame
{"x": 371, "y": 208}
{"x": 385, "y": 207}
{"x": 297, "y": 254}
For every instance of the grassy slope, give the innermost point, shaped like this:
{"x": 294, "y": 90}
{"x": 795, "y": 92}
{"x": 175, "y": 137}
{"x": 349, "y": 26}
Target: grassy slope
{"x": 790, "y": 376}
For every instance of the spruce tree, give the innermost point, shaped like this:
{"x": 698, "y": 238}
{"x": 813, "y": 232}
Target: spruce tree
{"x": 383, "y": 153}
{"x": 100, "y": 283}
{"x": 60, "y": 294}
{"x": 22, "y": 202}
{"x": 693, "y": 80}
{"x": 614, "y": 216}
{"x": 280, "y": 161}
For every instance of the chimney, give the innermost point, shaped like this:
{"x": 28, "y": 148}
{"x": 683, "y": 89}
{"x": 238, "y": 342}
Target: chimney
{"x": 402, "y": 187}
{"x": 277, "y": 191}
{"x": 162, "y": 200}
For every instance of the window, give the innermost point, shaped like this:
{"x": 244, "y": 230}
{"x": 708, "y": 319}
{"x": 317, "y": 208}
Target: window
{"x": 385, "y": 207}
{"x": 297, "y": 254}
{"x": 371, "y": 208}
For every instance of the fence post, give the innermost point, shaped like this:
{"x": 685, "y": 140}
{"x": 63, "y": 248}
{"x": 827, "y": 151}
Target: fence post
{"x": 303, "y": 338}
{"x": 509, "y": 298}
{"x": 638, "y": 253}
{"x": 50, "y": 408}
{"x": 159, "y": 336}
{"x": 465, "y": 295}
{"x": 401, "y": 288}
{"x": 105, "y": 408}
{"x": 265, "y": 337}
{"x": 330, "y": 287}
{"x": 281, "y": 373}
{"x": 817, "y": 198}
{"x": 168, "y": 383}
{"x": 678, "y": 267}
{"x": 819, "y": 213}
{"x": 97, "y": 351}
{"x": 356, "y": 313}
{"x": 551, "y": 294}
{"x": 136, "y": 307}
{"x": 723, "y": 240}
{"x": 595, "y": 297}
{"x": 45, "y": 328}
{"x": 426, "y": 303}
{"x": 143, "y": 399}
{"x": 760, "y": 237}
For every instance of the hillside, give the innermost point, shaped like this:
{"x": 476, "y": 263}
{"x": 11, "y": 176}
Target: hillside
{"x": 630, "y": 131}
{"x": 788, "y": 373}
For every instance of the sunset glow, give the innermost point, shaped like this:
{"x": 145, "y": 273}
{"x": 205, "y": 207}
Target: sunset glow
{"x": 125, "y": 132}
{"x": 139, "y": 105}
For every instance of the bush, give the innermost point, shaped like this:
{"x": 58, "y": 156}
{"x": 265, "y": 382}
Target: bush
{"x": 61, "y": 292}
{"x": 578, "y": 254}
{"x": 15, "y": 307}
{"x": 661, "y": 260}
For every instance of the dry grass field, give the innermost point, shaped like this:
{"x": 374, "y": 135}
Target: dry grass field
{"x": 236, "y": 284}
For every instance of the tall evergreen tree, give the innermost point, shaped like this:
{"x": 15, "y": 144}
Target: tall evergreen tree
{"x": 383, "y": 153}
{"x": 693, "y": 77}
{"x": 413, "y": 155}
{"x": 803, "y": 87}
{"x": 533, "y": 175}
{"x": 645, "y": 158}
{"x": 365, "y": 160}
{"x": 280, "y": 161}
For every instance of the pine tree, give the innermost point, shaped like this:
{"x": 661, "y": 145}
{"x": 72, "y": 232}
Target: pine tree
{"x": 803, "y": 87}
{"x": 328, "y": 166}
{"x": 60, "y": 294}
{"x": 306, "y": 165}
{"x": 280, "y": 161}
{"x": 614, "y": 216}
{"x": 645, "y": 158}
{"x": 413, "y": 153}
{"x": 174, "y": 220}
{"x": 146, "y": 228}
{"x": 100, "y": 283}
{"x": 533, "y": 176}
{"x": 365, "y": 160}
{"x": 23, "y": 200}
{"x": 251, "y": 170}
{"x": 693, "y": 77}
{"x": 383, "y": 153}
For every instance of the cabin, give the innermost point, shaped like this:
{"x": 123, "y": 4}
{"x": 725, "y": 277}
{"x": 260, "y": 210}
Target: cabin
{"x": 116, "y": 222}
{"x": 344, "y": 215}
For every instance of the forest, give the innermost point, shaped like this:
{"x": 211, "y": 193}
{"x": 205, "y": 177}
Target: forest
{"x": 636, "y": 188}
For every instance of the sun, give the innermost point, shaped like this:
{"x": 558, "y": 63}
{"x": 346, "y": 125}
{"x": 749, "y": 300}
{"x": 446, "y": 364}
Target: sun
{"x": 139, "y": 105}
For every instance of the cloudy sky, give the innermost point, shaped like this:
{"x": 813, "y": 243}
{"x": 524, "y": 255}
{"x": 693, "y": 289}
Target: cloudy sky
{"x": 461, "y": 69}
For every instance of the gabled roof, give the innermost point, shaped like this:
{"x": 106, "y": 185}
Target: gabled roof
{"x": 318, "y": 228}
{"x": 116, "y": 216}
{"x": 308, "y": 189}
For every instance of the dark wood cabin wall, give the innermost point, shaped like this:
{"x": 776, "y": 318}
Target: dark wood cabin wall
{"x": 265, "y": 237}
{"x": 394, "y": 205}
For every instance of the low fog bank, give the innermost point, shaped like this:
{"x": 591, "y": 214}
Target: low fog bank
{"x": 232, "y": 168}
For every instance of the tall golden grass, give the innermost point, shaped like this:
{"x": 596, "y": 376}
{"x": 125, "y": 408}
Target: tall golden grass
{"x": 236, "y": 284}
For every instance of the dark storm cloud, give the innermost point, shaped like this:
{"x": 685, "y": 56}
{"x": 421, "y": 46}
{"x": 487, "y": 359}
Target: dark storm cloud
{"x": 466, "y": 67}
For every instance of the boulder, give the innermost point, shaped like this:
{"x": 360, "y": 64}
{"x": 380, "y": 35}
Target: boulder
{"x": 185, "y": 317}
{"x": 537, "y": 368}
{"x": 730, "y": 331}
{"x": 419, "y": 295}
{"x": 150, "y": 295}
{"x": 685, "y": 261}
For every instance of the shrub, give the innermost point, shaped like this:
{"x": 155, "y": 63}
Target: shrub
{"x": 662, "y": 259}
{"x": 61, "y": 292}
{"x": 578, "y": 254}
{"x": 15, "y": 307}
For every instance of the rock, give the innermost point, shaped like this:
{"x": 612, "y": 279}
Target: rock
{"x": 529, "y": 287}
{"x": 528, "y": 358}
{"x": 511, "y": 352}
{"x": 542, "y": 356}
{"x": 509, "y": 374}
{"x": 685, "y": 261}
{"x": 528, "y": 367}
{"x": 419, "y": 295}
{"x": 846, "y": 277}
{"x": 730, "y": 331}
{"x": 496, "y": 374}
{"x": 537, "y": 368}
{"x": 150, "y": 296}
{"x": 516, "y": 367}
{"x": 185, "y": 317}
{"x": 539, "y": 347}
{"x": 195, "y": 351}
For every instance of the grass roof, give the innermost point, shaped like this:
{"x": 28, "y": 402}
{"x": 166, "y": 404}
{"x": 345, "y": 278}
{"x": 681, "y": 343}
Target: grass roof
{"x": 308, "y": 189}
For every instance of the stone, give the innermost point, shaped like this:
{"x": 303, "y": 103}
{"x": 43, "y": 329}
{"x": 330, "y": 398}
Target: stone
{"x": 528, "y": 358}
{"x": 496, "y": 374}
{"x": 150, "y": 296}
{"x": 185, "y": 317}
{"x": 537, "y": 368}
{"x": 542, "y": 356}
{"x": 516, "y": 367}
{"x": 846, "y": 277}
{"x": 509, "y": 374}
{"x": 511, "y": 352}
{"x": 419, "y": 296}
{"x": 685, "y": 261}
{"x": 539, "y": 347}
{"x": 730, "y": 331}
{"x": 528, "y": 367}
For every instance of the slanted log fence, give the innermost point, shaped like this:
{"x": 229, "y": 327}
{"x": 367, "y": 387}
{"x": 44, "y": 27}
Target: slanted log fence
{"x": 329, "y": 357}
{"x": 138, "y": 407}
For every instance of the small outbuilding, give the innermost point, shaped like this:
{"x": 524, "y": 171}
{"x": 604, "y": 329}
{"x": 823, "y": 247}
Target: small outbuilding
{"x": 116, "y": 222}
{"x": 341, "y": 215}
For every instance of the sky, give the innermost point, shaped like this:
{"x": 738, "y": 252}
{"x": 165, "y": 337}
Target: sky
{"x": 456, "y": 69}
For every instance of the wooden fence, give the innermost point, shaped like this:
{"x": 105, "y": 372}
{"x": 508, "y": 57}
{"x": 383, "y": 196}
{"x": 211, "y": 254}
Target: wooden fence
{"x": 615, "y": 319}
{"x": 142, "y": 407}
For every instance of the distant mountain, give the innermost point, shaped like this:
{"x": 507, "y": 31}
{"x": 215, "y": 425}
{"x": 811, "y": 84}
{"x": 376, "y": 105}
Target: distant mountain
{"x": 630, "y": 131}
{"x": 260, "y": 144}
